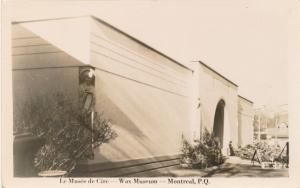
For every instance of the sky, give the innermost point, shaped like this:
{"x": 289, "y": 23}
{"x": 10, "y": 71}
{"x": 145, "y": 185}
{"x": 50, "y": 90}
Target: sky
{"x": 245, "y": 40}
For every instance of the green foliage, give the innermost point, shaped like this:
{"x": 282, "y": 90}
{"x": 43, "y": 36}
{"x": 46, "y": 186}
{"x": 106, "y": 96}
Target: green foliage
{"x": 69, "y": 136}
{"x": 205, "y": 153}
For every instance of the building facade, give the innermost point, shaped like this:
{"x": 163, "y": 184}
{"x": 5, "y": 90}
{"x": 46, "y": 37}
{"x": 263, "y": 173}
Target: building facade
{"x": 272, "y": 129}
{"x": 245, "y": 118}
{"x": 151, "y": 99}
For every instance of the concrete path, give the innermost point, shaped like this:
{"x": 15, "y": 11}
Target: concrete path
{"x": 233, "y": 167}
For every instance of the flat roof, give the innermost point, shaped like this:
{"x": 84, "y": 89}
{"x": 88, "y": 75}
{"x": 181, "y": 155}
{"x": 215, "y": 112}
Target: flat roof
{"x": 245, "y": 99}
{"x": 218, "y": 73}
{"x": 142, "y": 43}
{"x": 113, "y": 27}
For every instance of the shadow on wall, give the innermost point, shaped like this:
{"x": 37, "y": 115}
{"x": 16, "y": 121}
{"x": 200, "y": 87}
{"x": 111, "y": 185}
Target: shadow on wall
{"x": 149, "y": 122}
{"x": 126, "y": 129}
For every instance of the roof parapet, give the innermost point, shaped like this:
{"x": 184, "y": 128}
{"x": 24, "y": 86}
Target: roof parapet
{"x": 114, "y": 28}
{"x": 246, "y": 99}
{"x": 218, "y": 73}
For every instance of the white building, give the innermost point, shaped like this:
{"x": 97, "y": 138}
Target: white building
{"x": 151, "y": 98}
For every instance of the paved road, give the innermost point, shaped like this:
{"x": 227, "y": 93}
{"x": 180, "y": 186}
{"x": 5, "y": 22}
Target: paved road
{"x": 233, "y": 167}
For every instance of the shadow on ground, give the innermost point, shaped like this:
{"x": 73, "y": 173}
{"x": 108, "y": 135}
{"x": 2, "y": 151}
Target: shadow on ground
{"x": 233, "y": 167}
{"x": 243, "y": 170}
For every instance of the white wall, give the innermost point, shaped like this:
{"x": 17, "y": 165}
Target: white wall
{"x": 70, "y": 35}
{"x": 40, "y": 69}
{"x": 246, "y": 117}
{"x": 149, "y": 121}
{"x": 149, "y": 98}
{"x": 213, "y": 88}
{"x": 146, "y": 96}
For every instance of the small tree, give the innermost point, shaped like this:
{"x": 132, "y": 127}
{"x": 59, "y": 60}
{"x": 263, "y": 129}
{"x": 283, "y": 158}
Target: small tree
{"x": 210, "y": 147}
{"x": 207, "y": 151}
{"x": 69, "y": 136}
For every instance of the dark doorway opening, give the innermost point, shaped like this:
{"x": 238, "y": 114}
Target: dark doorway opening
{"x": 218, "y": 129}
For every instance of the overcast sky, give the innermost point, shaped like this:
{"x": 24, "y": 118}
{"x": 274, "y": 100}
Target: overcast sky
{"x": 245, "y": 40}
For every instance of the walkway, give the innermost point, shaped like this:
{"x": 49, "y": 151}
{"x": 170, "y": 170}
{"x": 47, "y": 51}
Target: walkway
{"x": 233, "y": 167}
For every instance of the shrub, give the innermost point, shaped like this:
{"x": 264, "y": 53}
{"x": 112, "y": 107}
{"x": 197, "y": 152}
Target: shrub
{"x": 267, "y": 152}
{"x": 67, "y": 131}
{"x": 187, "y": 151}
{"x": 205, "y": 153}
{"x": 245, "y": 152}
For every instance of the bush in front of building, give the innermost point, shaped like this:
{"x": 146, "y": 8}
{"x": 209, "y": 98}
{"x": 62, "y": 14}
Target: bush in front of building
{"x": 266, "y": 152}
{"x": 245, "y": 152}
{"x": 206, "y": 152}
{"x": 69, "y": 135}
{"x": 188, "y": 153}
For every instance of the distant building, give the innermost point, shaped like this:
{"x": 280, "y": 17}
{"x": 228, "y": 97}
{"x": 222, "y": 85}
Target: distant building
{"x": 272, "y": 129}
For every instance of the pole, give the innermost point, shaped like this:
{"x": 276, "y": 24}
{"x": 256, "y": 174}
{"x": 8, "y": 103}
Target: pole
{"x": 92, "y": 124}
{"x": 259, "y": 127}
{"x": 276, "y": 140}
{"x": 287, "y": 154}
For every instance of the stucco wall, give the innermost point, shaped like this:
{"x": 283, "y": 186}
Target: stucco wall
{"x": 149, "y": 121}
{"x": 213, "y": 88}
{"x": 246, "y": 115}
{"x": 39, "y": 69}
{"x": 146, "y": 96}
{"x": 151, "y": 99}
